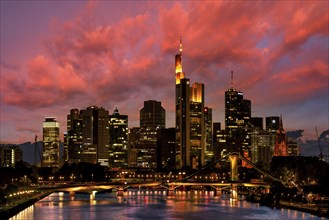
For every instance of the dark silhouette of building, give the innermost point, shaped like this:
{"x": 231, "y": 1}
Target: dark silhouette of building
{"x": 133, "y": 143}
{"x": 9, "y": 155}
{"x": 152, "y": 118}
{"x": 257, "y": 122}
{"x": 209, "y": 151}
{"x": 166, "y": 149}
{"x": 272, "y": 123}
{"x": 73, "y": 137}
{"x": 95, "y": 135}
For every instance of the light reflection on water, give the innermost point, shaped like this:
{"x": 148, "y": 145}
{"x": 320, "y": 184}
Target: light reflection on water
{"x": 151, "y": 205}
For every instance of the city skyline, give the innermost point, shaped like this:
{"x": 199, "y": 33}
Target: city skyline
{"x": 56, "y": 56}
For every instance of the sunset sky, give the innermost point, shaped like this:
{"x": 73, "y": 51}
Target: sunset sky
{"x": 59, "y": 55}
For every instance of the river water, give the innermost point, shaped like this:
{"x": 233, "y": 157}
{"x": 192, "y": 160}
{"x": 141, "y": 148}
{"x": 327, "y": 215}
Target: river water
{"x": 193, "y": 205}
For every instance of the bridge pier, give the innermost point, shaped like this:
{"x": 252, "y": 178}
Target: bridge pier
{"x": 93, "y": 195}
{"x": 218, "y": 191}
{"x": 171, "y": 191}
{"x": 234, "y": 192}
{"x": 72, "y": 194}
{"x": 120, "y": 190}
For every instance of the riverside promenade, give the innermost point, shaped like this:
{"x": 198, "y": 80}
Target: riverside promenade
{"x": 16, "y": 205}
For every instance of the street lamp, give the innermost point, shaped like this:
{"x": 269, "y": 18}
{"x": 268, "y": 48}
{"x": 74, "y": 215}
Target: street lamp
{"x": 92, "y": 177}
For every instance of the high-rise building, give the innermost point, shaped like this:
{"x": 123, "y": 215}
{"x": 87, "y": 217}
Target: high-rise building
{"x": 209, "y": 152}
{"x": 272, "y": 126}
{"x": 272, "y": 123}
{"x": 152, "y": 118}
{"x": 197, "y": 125}
{"x": 166, "y": 149}
{"x": 219, "y": 141}
{"x": 95, "y": 135}
{"x": 73, "y": 137}
{"x": 118, "y": 148}
{"x": 133, "y": 143}
{"x": 182, "y": 104}
{"x": 9, "y": 155}
{"x": 237, "y": 122}
{"x": 51, "y": 142}
{"x": 257, "y": 122}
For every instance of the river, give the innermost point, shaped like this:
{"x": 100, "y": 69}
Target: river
{"x": 153, "y": 204}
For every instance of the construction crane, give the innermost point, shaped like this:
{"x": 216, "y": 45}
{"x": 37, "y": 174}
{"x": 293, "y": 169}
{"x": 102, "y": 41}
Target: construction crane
{"x": 36, "y": 149}
{"x": 320, "y": 149}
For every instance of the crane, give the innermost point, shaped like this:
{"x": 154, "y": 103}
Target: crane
{"x": 36, "y": 149}
{"x": 320, "y": 149}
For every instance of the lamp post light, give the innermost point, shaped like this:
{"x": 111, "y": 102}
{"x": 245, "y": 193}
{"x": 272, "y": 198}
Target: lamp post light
{"x": 92, "y": 177}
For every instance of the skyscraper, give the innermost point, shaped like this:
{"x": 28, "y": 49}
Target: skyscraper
{"x": 166, "y": 149}
{"x": 95, "y": 135}
{"x": 73, "y": 137}
{"x": 133, "y": 143}
{"x": 118, "y": 148}
{"x": 209, "y": 151}
{"x": 152, "y": 118}
{"x": 237, "y": 121}
{"x": 182, "y": 103}
{"x": 50, "y": 154}
{"x": 197, "y": 125}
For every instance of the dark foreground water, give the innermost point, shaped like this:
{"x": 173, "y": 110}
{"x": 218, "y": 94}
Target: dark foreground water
{"x": 153, "y": 204}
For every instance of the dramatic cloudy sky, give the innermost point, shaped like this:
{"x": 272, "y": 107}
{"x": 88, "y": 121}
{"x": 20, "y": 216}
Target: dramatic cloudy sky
{"x": 59, "y": 55}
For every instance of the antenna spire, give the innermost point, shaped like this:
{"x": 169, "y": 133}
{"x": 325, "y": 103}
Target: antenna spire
{"x": 231, "y": 78}
{"x": 181, "y": 45}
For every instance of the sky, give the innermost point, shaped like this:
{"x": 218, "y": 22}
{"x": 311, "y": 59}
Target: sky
{"x": 60, "y": 55}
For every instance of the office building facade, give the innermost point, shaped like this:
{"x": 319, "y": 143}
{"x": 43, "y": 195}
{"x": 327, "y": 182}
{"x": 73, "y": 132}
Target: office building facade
{"x": 95, "y": 135}
{"x": 152, "y": 118}
{"x": 51, "y": 143}
{"x": 118, "y": 146}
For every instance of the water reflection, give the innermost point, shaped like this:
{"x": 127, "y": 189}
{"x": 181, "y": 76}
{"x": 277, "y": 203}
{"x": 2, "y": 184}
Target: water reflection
{"x": 152, "y": 204}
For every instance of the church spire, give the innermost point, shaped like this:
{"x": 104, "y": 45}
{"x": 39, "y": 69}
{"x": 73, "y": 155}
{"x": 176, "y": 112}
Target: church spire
{"x": 280, "y": 123}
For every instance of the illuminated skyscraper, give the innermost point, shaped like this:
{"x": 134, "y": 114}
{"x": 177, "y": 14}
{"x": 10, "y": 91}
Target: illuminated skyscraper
{"x": 152, "y": 118}
{"x": 95, "y": 135}
{"x": 182, "y": 103}
{"x": 118, "y": 149}
{"x": 50, "y": 154}
{"x": 197, "y": 125}
{"x": 237, "y": 121}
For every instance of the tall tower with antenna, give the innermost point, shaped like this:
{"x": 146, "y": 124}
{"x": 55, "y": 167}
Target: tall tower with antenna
{"x": 237, "y": 116}
{"x": 182, "y": 104}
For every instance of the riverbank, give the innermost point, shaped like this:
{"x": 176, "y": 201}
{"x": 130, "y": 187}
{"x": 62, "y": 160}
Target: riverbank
{"x": 16, "y": 206}
{"x": 320, "y": 209}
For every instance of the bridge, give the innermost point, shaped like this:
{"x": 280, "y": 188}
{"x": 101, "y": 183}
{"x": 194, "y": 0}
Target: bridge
{"x": 231, "y": 186}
